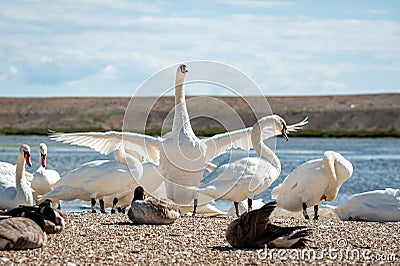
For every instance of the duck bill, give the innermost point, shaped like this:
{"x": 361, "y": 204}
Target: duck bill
{"x": 284, "y": 134}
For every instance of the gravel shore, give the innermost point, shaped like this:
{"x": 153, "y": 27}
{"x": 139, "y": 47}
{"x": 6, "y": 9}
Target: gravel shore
{"x": 112, "y": 239}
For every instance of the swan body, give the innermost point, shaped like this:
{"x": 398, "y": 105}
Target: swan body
{"x": 253, "y": 229}
{"x": 20, "y": 191}
{"x": 101, "y": 179}
{"x": 249, "y": 176}
{"x": 178, "y": 169}
{"x": 312, "y": 182}
{"x": 43, "y": 179}
{"x": 151, "y": 210}
{"x": 373, "y": 206}
{"x": 7, "y": 173}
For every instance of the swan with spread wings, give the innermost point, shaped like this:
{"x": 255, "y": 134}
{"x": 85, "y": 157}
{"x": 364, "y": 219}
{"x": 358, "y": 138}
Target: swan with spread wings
{"x": 181, "y": 157}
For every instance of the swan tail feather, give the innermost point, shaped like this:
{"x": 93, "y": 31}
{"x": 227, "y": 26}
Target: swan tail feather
{"x": 297, "y": 126}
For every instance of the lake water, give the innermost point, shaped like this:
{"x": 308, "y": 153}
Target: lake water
{"x": 376, "y": 162}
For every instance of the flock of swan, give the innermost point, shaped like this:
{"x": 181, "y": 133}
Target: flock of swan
{"x": 171, "y": 170}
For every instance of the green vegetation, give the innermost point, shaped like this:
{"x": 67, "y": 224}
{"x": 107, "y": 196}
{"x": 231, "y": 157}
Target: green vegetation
{"x": 43, "y": 131}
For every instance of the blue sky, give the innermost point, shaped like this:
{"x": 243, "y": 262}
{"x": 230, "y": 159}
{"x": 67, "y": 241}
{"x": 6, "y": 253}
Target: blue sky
{"x": 108, "y": 48}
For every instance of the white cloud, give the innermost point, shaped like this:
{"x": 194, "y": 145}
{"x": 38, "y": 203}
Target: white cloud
{"x": 109, "y": 70}
{"x": 62, "y": 43}
{"x": 379, "y": 11}
{"x": 257, "y": 3}
{"x": 331, "y": 85}
{"x": 12, "y": 70}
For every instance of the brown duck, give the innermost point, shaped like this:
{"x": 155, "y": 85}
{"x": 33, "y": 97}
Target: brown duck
{"x": 254, "y": 230}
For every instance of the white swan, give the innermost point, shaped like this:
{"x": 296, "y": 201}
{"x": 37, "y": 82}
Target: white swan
{"x": 106, "y": 180}
{"x": 151, "y": 210}
{"x": 19, "y": 192}
{"x": 373, "y": 206}
{"x": 242, "y": 179}
{"x": 7, "y": 173}
{"x": 179, "y": 169}
{"x": 312, "y": 182}
{"x": 43, "y": 179}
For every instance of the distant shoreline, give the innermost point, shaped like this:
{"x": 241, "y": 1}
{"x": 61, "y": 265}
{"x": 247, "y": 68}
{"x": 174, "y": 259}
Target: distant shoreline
{"x": 369, "y": 115}
{"x": 390, "y": 133}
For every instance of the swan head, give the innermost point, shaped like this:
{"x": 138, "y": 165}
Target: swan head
{"x": 25, "y": 151}
{"x": 182, "y": 69}
{"x": 138, "y": 194}
{"x": 275, "y": 121}
{"x": 43, "y": 153}
{"x": 181, "y": 74}
{"x": 344, "y": 168}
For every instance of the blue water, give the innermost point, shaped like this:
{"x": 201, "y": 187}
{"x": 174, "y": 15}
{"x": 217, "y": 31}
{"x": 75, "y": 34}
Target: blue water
{"x": 376, "y": 162}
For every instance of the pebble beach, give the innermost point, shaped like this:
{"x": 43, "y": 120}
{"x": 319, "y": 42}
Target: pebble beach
{"x": 94, "y": 239}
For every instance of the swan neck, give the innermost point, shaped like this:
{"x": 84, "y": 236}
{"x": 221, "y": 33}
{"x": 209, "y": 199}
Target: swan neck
{"x": 263, "y": 150}
{"x": 20, "y": 169}
{"x": 120, "y": 156}
{"x": 181, "y": 116}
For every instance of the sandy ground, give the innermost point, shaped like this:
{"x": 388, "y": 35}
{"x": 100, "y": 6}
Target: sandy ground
{"x": 112, "y": 239}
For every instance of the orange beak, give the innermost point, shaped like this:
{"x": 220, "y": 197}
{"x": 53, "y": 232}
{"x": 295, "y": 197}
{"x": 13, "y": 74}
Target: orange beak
{"x": 27, "y": 157}
{"x": 43, "y": 160}
{"x": 284, "y": 133}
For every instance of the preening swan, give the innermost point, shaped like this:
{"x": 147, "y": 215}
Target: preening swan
{"x": 19, "y": 192}
{"x": 151, "y": 210}
{"x": 242, "y": 179}
{"x": 178, "y": 169}
{"x": 43, "y": 179}
{"x": 373, "y": 206}
{"x": 254, "y": 230}
{"x": 312, "y": 182}
{"x": 106, "y": 180}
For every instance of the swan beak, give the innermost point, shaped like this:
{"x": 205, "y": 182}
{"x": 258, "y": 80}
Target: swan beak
{"x": 27, "y": 157}
{"x": 284, "y": 133}
{"x": 43, "y": 160}
{"x": 323, "y": 197}
{"x": 183, "y": 69}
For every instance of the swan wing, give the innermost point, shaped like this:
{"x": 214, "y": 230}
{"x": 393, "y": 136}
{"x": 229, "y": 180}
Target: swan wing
{"x": 298, "y": 176}
{"x": 7, "y": 173}
{"x": 106, "y": 142}
{"x": 220, "y": 143}
{"x": 67, "y": 193}
{"x": 290, "y": 181}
